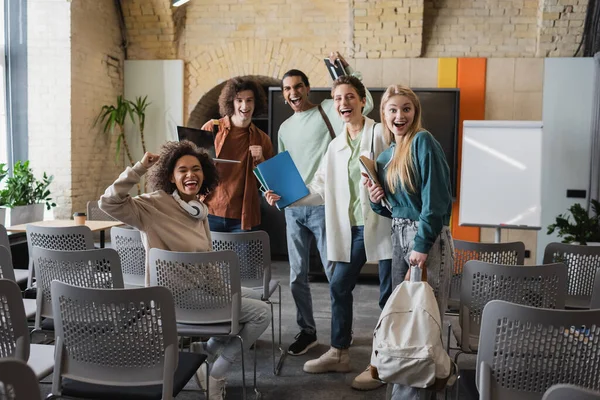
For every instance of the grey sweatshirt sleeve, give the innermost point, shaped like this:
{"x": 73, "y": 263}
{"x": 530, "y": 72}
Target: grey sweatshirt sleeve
{"x": 117, "y": 202}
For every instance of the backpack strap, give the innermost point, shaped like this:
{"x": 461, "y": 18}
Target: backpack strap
{"x": 331, "y": 131}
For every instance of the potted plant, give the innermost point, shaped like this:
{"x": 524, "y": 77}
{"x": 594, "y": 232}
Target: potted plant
{"x": 585, "y": 229}
{"x": 25, "y": 196}
{"x": 115, "y": 116}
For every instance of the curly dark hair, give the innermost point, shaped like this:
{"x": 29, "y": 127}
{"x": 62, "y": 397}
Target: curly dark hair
{"x": 233, "y": 87}
{"x": 159, "y": 175}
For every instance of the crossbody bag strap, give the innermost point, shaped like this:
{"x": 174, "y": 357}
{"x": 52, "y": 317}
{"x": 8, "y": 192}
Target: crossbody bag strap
{"x": 331, "y": 131}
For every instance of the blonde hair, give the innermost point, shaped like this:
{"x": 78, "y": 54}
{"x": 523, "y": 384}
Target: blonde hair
{"x": 401, "y": 172}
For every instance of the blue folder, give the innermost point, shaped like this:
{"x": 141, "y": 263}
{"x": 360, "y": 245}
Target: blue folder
{"x": 280, "y": 175}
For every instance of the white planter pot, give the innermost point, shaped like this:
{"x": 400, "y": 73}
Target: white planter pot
{"x": 593, "y": 243}
{"x": 24, "y": 214}
{"x": 3, "y": 216}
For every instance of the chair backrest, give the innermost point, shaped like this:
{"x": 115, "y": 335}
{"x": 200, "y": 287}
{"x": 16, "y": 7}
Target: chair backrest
{"x": 118, "y": 337}
{"x": 205, "y": 286}
{"x": 99, "y": 268}
{"x": 94, "y": 213}
{"x": 529, "y": 349}
{"x": 254, "y": 253}
{"x": 6, "y": 267}
{"x": 4, "y": 237}
{"x": 582, "y": 263}
{"x": 18, "y": 380}
{"x": 60, "y": 238}
{"x": 128, "y": 243}
{"x": 498, "y": 253}
{"x": 14, "y": 334}
{"x": 542, "y": 286}
{"x": 595, "y": 303}
{"x": 571, "y": 392}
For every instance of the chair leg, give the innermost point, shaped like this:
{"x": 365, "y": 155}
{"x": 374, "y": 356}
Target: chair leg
{"x": 272, "y": 339}
{"x": 243, "y": 367}
{"x": 282, "y": 353}
{"x": 257, "y": 394}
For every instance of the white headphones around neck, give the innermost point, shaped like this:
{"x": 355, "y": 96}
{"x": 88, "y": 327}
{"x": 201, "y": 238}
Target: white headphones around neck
{"x": 195, "y": 208}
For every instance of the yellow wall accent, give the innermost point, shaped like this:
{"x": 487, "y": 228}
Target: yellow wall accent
{"x": 447, "y": 77}
{"x": 447, "y": 72}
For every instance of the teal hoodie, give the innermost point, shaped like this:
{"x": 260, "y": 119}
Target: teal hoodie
{"x": 431, "y": 205}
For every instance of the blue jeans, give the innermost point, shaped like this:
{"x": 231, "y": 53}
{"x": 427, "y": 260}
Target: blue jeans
{"x": 222, "y": 224}
{"x": 301, "y": 224}
{"x": 341, "y": 286}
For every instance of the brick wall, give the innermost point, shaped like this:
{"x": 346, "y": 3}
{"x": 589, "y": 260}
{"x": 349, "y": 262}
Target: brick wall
{"x": 387, "y": 29}
{"x": 560, "y": 24}
{"x": 49, "y": 89}
{"x": 218, "y": 40}
{"x": 96, "y": 80}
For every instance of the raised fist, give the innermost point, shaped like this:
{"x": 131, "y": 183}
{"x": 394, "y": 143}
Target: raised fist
{"x": 149, "y": 159}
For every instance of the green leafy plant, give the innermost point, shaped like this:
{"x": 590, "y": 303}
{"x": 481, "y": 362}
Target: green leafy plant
{"x": 114, "y": 116}
{"x": 138, "y": 107}
{"x": 23, "y": 189}
{"x": 584, "y": 228}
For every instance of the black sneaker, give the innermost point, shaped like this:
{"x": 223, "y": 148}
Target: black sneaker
{"x": 304, "y": 342}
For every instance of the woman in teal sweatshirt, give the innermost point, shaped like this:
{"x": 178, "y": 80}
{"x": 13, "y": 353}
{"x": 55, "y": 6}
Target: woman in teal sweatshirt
{"x": 416, "y": 186}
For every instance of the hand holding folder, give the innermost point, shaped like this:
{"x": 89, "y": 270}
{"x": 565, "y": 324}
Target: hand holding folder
{"x": 368, "y": 166}
{"x": 280, "y": 175}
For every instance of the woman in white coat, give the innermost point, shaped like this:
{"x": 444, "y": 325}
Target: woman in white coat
{"x": 355, "y": 234}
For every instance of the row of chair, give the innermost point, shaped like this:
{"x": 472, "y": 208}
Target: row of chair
{"x": 582, "y": 263}
{"x": 105, "y": 267}
{"x": 252, "y": 248}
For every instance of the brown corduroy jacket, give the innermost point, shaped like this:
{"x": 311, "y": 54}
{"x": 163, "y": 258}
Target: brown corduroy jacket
{"x": 251, "y": 202}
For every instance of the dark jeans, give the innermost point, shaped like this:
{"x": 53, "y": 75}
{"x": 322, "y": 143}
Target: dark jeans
{"x": 222, "y": 224}
{"x": 385, "y": 281}
{"x": 341, "y": 286}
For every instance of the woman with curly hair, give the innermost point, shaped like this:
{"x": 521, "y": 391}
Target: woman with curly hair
{"x": 234, "y": 206}
{"x": 173, "y": 218}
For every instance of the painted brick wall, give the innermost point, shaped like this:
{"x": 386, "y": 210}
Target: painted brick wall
{"x": 49, "y": 92}
{"x": 96, "y": 80}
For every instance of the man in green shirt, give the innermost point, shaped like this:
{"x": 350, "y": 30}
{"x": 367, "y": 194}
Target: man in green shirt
{"x": 306, "y": 136}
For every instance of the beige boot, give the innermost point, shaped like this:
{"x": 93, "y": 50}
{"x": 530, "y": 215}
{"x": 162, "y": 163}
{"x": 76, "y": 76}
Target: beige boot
{"x": 335, "y": 360}
{"x": 365, "y": 381}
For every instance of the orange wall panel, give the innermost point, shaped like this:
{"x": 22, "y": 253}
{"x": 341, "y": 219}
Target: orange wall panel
{"x": 471, "y": 82}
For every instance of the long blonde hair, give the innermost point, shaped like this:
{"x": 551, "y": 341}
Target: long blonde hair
{"x": 401, "y": 171}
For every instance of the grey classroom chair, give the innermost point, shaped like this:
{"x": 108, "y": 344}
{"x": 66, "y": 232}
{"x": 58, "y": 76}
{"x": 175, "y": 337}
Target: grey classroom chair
{"x": 206, "y": 289}
{"x": 128, "y": 243}
{"x": 18, "y": 381}
{"x": 524, "y": 350}
{"x": 94, "y": 213}
{"x": 98, "y": 268}
{"x": 53, "y": 238}
{"x": 7, "y": 272}
{"x": 595, "y": 303}
{"x": 498, "y": 253}
{"x": 118, "y": 343}
{"x": 582, "y": 263}
{"x": 20, "y": 274}
{"x": 254, "y": 253}
{"x": 14, "y": 333}
{"x": 570, "y": 392}
{"x": 542, "y": 286}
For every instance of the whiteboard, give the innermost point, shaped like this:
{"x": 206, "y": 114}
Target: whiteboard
{"x": 500, "y": 178}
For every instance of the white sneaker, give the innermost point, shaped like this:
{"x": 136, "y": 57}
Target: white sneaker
{"x": 216, "y": 388}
